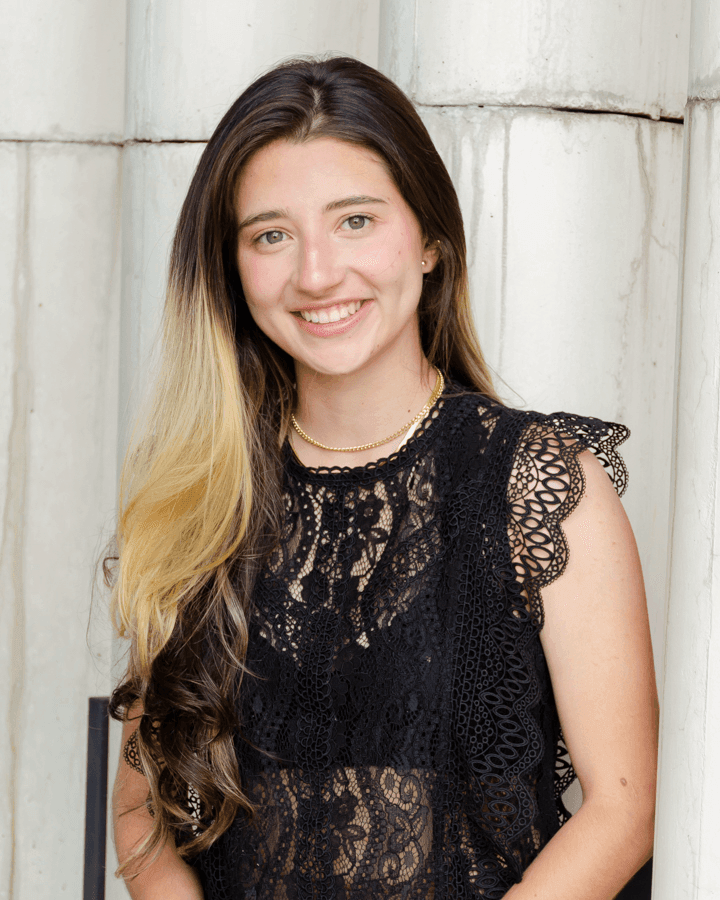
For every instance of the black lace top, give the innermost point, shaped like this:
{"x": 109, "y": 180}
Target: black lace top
{"x": 400, "y": 738}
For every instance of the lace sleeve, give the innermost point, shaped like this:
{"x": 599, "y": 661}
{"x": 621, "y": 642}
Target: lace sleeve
{"x": 131, "y": 750}
{"x": 131, "y": 753}
{"x": 545, "y": 486}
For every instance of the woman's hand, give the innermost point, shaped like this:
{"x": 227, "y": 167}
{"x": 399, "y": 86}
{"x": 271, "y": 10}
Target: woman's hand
{"x": 597, "y": 644}
{"x": 168, "y": 877}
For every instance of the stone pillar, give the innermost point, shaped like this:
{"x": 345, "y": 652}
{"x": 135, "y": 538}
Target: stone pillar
{"x": 61, "y": 92}
{"x": 561, "y": 125}
{"x": 688, "y": 818}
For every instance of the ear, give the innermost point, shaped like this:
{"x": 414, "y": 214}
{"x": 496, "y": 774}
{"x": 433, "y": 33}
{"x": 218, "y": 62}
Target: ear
{"x": 431, "y": 254}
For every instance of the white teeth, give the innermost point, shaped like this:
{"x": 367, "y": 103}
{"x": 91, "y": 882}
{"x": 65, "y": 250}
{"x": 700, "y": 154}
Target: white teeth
{"x": 334, "y": 315}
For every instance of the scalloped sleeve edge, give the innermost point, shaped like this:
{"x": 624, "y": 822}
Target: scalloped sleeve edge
{"x": 546, "y": 486}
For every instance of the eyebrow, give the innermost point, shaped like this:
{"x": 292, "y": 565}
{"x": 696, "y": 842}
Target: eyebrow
{"x": 283, "y": 213}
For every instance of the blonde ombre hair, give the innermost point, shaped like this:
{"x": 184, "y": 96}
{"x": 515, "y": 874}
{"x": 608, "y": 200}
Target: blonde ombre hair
{"x": 201, "y": 494}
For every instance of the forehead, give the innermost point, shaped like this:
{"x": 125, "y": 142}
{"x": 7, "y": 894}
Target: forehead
{"x": 319, "y": 170}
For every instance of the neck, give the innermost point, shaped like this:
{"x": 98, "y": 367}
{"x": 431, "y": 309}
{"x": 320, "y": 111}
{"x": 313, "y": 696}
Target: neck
{"x": 364, "y": 406}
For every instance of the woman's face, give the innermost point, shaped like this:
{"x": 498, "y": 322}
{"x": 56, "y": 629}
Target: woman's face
{"x": 330, "y": 255}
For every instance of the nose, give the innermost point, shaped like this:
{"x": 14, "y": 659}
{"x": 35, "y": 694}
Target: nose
{"x": 319, "y": 267}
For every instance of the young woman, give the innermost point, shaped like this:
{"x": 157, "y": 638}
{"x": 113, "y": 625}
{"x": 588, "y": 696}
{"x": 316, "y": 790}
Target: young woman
{"x": 361, "y": 643}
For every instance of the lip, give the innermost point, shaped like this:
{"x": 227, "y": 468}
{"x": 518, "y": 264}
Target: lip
{"x": 330, "y": 329}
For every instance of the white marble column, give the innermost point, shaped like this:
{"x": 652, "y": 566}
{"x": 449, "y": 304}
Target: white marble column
{"x": 561, "y": 125}
{"x": 61, "y": 92}
{"x": 688, "y": 820}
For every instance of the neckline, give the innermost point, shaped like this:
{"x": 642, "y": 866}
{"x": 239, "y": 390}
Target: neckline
{"x": 383, "y": 466}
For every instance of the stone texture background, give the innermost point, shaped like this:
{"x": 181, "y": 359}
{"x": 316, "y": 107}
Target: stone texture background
{"x": 584, "y": 143}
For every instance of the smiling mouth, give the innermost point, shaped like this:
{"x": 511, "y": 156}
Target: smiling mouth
{"x": 331, "y": 313}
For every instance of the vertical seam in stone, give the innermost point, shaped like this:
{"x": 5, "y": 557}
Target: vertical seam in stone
{"x": 127, "y": 117}
{"x": 715, "y": 552}
{"x": 710, "y": 144}
{"x": 116, "y": 273}
{"x": 13, "y": 531}
{"x": 413, "y": 83}
{"x": 479, "y": 161}
{"x": 507, "y": 124}
{"x": 147, "y": 55}
{"x": 687, "y": 135}
{"x": 641, "y": 264}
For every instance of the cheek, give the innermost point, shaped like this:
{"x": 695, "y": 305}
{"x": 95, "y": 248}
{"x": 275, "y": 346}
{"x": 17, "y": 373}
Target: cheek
{"x": 397, "y": 258}
{"x": 260, "y": 283}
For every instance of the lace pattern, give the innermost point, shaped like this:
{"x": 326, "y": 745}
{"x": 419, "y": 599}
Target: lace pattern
{"x": 547, "y": 484}
{"x": 399, "y": 736}
{"x": 131, "y": 753}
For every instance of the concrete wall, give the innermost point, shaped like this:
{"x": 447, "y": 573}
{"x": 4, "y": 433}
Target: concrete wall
{"x": 562, "y": 126}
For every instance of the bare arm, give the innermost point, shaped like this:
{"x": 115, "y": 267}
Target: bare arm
{"x": 168, "y": 877}
{"x": 597, "y": 644}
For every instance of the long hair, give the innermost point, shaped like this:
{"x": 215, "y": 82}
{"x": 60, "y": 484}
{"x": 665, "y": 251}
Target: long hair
{"x": 201, "y": 486}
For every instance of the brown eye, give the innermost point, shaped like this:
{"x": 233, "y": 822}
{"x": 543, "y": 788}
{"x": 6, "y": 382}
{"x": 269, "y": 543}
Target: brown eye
{"x": 356, "y": 223}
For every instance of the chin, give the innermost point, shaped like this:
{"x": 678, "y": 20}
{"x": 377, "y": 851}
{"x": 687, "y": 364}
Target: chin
{"x": 339, "y": 369}
{"x": 341, "y": 362}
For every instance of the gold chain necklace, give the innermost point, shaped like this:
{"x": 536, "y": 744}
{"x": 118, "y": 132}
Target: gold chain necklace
{"x": 437, "y": 390}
